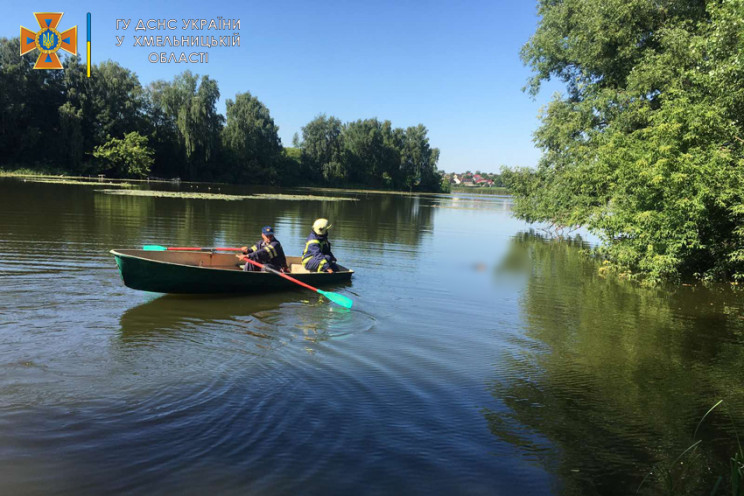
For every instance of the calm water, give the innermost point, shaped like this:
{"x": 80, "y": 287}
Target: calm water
{"x": 478, "y": 359}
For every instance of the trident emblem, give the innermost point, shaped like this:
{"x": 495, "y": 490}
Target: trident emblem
{"x": 48, "y": 40}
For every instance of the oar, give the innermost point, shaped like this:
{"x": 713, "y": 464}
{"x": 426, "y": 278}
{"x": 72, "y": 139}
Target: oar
{"x": 334, "y": 297}
{"x": 185, "y": 248}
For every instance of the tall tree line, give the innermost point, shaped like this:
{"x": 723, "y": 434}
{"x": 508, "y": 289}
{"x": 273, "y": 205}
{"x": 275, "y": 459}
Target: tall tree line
{"x": 646, "y": 145}
{"x": 369, "y": 152}
{"x": 111, "y": 124}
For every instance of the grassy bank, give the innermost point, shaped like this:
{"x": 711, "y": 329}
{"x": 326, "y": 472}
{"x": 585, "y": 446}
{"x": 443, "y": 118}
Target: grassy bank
{"x": 52, "y": 174}
{"x": 67, "y": 178}
{"x": 11, "y": 171}
{"x": 480, "y": 191}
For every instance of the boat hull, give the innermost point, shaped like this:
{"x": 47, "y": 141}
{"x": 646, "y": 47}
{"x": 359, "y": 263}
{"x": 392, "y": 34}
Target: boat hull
{"x": 207, "y": 272}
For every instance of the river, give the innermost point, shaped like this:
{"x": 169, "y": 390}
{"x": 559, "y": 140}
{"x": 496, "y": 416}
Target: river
{"x": 479, "y": 357}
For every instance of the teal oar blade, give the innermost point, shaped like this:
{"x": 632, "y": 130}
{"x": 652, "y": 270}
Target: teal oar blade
{"x": 154, "y": 248}
{"x": 334, "y": 297}
{"x": 337, "y": 298}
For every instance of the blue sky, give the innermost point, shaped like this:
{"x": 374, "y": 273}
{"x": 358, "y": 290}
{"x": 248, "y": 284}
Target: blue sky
{"x": 452, "y": 65}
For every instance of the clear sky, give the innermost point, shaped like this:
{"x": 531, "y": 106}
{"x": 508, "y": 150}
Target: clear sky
{"x": 452, "y": 65}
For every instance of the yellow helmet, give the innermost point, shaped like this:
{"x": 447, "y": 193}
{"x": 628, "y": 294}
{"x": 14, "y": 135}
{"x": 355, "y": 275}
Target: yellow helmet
{"x": 321, "y": 226}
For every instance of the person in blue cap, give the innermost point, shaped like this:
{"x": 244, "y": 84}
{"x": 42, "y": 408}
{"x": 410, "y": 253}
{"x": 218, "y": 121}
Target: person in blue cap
{"x": 268, "y": 251}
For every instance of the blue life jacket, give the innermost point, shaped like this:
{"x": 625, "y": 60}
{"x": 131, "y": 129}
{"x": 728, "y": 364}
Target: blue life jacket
{"x": 317, "y": 247}
{"x": 269, "y": 253}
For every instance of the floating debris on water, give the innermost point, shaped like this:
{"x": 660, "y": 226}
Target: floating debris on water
{"x": 269, "y": 196}
{"x": 220, "y": 196}
{"x": 92, "y": 182}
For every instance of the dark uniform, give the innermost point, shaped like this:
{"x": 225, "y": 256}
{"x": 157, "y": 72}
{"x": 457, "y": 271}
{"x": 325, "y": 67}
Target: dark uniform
{"x": 317, "y": 255}
{"x": 270, "y": 254}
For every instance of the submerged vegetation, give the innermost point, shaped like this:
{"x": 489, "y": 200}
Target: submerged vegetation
{"x": 62, "y": 121}
{"x": 646, "y": 147}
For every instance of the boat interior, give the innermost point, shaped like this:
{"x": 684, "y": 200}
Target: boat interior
{"x": 210, "y": 259}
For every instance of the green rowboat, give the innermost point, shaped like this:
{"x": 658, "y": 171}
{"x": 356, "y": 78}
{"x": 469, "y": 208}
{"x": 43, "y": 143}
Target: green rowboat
{"x": 209, "y": 272}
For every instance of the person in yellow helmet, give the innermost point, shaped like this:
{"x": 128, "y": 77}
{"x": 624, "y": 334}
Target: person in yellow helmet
{"x": 317, "y": 255}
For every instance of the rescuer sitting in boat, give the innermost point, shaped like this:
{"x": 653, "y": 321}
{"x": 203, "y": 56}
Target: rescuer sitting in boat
{"x": 317, "y": 255}
{"x": 268, "y": 251}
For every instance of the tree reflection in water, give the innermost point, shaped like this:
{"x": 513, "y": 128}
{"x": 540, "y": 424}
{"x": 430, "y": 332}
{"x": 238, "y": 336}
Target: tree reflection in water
{"x": 610, "y": 379}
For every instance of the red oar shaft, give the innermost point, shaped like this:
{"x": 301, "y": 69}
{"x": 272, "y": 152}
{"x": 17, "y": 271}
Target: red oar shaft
{"x": 281, "y": 274}
{"x": 186, "y": 248}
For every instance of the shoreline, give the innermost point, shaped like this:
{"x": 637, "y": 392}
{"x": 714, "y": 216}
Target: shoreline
{"x": 61, "y": 178}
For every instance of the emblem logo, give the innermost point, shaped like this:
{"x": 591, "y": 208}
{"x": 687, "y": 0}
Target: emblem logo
{"x": 48, "y": 40}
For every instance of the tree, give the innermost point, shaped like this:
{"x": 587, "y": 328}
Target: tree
{"x": 111, "y": 104}
{"x": 369, "y": 152}
{"x": 125, "y": 157}
{"x": 29, "y": 100}
{"x": 372, "y": 152}
{"x": 322, "y": 145}
{"x": 188, "y": 107}
{"x": 71, "y": 135}
{"x": 289, "y": 167}
{"x": 419, "y": 161}
{"x": 646, "y": 147}
{"x": 363, "y": 148}
{"x": 65, "y": 119}
{"x": 165, "y": 139}
{"x": 251, "y": 140}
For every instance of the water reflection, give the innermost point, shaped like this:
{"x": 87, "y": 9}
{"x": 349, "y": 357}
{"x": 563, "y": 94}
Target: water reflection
{"x": 168, "y": 316}
{"x": 261, "y": 320}
{"x": 465, "y": 201}
{"x": 380, "y": 219}
{"x": 608, "y": 380}
{"x": 128, "y": 220}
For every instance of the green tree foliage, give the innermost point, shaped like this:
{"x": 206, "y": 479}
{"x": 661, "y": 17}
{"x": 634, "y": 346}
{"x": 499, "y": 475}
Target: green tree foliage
{"x": 322, "y": 148}
{"x": 125, "y": 157}
{"x": 372, "y": 153}
{"x": 252, "y": 140}
{"x": 29, "y": 100}
{"x": 55, "y": 117}
{"x": 75, "y": 123}
{"x": 445, "y": 187}
{"x": 71, "y": 135}
{"x": 646, "y": 148}
{"x": 164, "y": 135}
{"x": 289, "y": 168}
{"x": 187, "y": 109}
{"x": 111, "y": 104}
{"x": 418, "y": 161}
{"x": 369, "y": 152}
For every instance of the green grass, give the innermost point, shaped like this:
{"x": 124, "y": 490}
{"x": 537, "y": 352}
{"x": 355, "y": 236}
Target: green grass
{"x": 219, "y": 196}
{"x": 496, "y": 190}
{"x": 687, "y": 473}
{"x": 12, "y": 171}
{"x": 78, "y": 182}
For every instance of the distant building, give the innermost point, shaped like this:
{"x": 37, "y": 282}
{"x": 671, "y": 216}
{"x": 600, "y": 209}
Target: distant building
{"x": 469, "y": 179}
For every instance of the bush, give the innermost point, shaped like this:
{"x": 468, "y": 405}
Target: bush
{"x": 130, "y": 157}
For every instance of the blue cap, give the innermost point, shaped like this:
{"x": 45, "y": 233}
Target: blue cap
{"x": 267, "y": 230}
